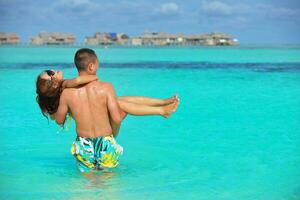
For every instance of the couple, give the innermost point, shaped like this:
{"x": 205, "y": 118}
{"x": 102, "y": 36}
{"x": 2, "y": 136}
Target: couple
{"x": 97, "y": 111}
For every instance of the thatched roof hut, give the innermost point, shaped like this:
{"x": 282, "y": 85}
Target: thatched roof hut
{"x": 9, "y": 38}
{"x": 53, "y": 38}
{"x": 106, "y": 38}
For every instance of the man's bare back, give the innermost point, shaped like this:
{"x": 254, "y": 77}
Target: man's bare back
{"x": 91, "y": 105}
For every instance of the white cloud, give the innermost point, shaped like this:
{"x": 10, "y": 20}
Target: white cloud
{"x": 217, "y": 7}
{"x": 222, "y": 13}
{"x": 75, "y": 2}
{"x": 76, "y": 8}
{"x": 285, "y": 11}
{"x": 278, "y": 12}
{"x": 169, "y": 8}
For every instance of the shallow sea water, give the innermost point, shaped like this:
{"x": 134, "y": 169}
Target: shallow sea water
{"x": 235, "y": 134}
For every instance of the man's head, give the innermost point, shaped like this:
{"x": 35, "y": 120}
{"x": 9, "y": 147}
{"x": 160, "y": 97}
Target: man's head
{"x": 86, "y": 61}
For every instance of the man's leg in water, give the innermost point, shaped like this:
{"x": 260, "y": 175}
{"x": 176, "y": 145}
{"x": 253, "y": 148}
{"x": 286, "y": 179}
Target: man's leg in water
{"x": 149, "y": 101}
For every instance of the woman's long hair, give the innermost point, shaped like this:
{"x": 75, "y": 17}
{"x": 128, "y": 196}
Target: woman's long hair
{"x": 48, "y": 95}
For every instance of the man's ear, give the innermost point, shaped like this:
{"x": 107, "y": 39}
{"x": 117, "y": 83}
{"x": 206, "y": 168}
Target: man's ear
{"x": 91, "y": 67}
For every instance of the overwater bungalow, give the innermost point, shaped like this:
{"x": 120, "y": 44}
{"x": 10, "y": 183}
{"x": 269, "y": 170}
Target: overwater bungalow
{"x": 211, "y": 39}
{"x": 165, "y": 39}
{"x": 157, "y": 39}
{"x": 104, "y": 38}
{"x": 9, "y": 38}
{"x": 136, "y": 41}
{"x": 195, "y": 40}
{"x": 222, "y": 39}
{"x": 122, "y": 38}
{"x": 145, "y": 39}
{"x": 54, "y": 38}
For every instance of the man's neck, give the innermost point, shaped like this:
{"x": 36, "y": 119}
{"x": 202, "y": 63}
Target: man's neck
{"x": 83, "y": 73}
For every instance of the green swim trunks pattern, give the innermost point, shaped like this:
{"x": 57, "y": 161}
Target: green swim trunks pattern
{"x": 96, "y": 153}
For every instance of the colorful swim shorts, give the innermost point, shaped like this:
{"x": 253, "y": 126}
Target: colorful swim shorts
{"x": 96, "y": 153}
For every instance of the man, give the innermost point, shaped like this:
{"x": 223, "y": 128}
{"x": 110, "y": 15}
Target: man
{"x": 97, "y": 116}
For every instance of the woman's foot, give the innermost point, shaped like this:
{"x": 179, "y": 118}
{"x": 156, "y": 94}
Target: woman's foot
{"x": 169, "y": 109}
{"x": 171, "y": 100}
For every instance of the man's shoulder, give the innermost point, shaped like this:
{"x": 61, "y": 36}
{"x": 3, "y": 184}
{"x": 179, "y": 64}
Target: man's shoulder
{"x": 100, "y": 86}
{"x": 105, "y": 85}
{"x": 67, "y": 92}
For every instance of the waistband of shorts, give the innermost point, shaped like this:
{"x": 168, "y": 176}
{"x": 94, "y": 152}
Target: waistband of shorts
{"x": 91, "y": 138}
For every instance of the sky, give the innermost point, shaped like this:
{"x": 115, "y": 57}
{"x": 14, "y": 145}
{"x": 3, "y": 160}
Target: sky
{"x": 250, "y": 21}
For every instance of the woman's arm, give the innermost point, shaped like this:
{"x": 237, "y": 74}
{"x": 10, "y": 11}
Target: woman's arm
{"x": 60, "y": 115}
{"x": 70, "y": 83}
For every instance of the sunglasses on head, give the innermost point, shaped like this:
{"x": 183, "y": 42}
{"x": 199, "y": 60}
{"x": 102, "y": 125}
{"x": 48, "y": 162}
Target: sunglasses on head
{"x": 50, "y": 72}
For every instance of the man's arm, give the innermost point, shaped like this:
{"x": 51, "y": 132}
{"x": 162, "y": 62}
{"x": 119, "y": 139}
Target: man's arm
{"x": 114, "y": 109}
{"x": 60, "y": 115}
{"x": 116, "y": 127}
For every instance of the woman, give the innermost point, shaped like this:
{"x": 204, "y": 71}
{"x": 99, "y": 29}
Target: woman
{"x": 50, "y": 84}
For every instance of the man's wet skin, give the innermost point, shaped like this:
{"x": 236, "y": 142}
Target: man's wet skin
{"x": 89, "y": 107}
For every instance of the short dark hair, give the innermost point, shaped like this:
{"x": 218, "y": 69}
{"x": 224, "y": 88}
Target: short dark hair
{"x": 83, "y": 57}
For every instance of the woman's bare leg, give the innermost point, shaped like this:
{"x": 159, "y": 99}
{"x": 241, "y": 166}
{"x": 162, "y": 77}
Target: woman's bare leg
{"x": 148, "y": 101}
{"x": 141, "y": 110}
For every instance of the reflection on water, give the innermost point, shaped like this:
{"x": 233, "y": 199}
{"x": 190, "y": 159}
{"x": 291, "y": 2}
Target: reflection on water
{"x": 98, "y": 179}
{"x": 99, "y": 185}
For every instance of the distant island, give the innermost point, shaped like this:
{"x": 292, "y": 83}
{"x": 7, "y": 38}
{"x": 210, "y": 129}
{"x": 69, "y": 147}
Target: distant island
{"x": 121, "y": 39}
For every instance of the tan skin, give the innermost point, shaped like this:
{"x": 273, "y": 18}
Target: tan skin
{"x": 90, "y": 106}
{"x": 95, "y": 107}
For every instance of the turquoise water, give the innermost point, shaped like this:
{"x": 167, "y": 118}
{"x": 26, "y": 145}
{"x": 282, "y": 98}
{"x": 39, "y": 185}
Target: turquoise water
{"x": 235, "y": 134}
